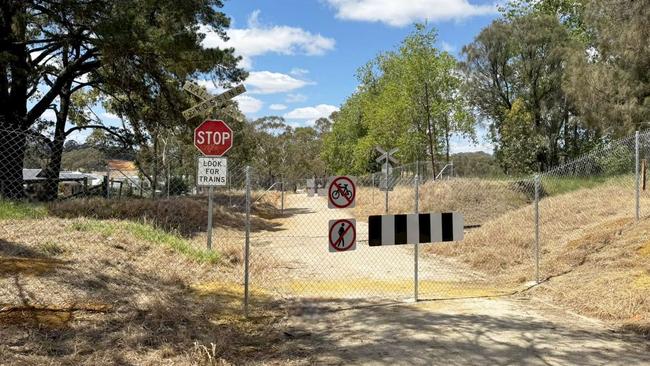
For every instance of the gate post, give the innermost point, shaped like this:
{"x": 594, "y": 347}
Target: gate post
{"x": 638, "y": 180}
{"x": 537, "y": 184}
{"x": 247, "y": 239}
{"x": 417, "y": 245}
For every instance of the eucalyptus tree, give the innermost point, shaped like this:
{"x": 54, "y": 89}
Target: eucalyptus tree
{"x": 51, "y": 49}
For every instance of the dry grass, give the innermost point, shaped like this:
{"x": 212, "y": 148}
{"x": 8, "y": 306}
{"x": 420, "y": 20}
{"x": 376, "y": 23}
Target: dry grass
{"x": 79, "y": 291}
{"x": 480, "y": 200}
{"x": 588, "y": 239}
{"x": 184, "y": 215}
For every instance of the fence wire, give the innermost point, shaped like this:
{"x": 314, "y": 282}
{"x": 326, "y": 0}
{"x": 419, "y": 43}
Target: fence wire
{"x": 289, "y": 222}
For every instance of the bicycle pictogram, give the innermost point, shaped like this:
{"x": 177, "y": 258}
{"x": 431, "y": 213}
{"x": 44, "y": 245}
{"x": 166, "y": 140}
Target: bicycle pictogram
{"x": 341, "y": 192}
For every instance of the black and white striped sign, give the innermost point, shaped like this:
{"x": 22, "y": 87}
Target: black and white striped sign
{"x": 415, "y": 228}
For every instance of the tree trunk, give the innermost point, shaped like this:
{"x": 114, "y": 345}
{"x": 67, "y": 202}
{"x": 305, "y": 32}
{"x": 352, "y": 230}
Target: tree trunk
{"x": 447, "y": 133}
{"x": 155, "y": 166}
{"x": 431, "y": 132}
{"x": 13, "y": 142}
{"x": 53, "y": 169}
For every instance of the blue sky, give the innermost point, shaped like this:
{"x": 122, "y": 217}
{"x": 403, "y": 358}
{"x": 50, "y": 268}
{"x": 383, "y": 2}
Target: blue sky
{"x": 302, "y": 55}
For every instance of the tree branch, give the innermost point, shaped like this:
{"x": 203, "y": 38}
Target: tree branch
{"x": 97, "y": 127}
{"x": 75, "y": 69}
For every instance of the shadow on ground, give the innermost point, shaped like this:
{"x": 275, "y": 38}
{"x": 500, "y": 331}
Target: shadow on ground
{"x": 113, "y": 311}
{"x": 443, "y": 333}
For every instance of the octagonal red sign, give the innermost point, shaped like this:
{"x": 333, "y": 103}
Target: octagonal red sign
{"x": 213, "y": 138}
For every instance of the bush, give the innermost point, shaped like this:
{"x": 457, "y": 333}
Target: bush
{"x": 178, "y": 186}
{"x": 183, "y": 215}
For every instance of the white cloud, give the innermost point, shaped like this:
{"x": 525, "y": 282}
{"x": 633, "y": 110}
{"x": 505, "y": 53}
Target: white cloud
{"x": 267, "y": 82}
{"x": 49, "y": 115}
{"x": 298, "y": 72}
{"x": 447, "y": 47}
{"x": 401, "y": 13}
{"x": 311, "y": 113}
{"x": 110, "y": 116}
{"x": 296, "y": 98}
{"x": 208, "y": 85}
{"x": 277, "y": 107}
{"x": 248, "y": 104}
{"x": 259, "y": 39}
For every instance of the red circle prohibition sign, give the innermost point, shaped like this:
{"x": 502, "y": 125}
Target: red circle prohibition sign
{"x": 341, "y": 191}
{"x": 334, "y": 244}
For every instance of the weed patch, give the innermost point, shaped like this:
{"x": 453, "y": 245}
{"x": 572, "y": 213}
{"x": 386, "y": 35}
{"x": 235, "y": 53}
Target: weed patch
{"x": 21, "y": 210}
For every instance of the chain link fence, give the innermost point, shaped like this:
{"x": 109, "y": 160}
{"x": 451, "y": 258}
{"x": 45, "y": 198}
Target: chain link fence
{"x": 273, "y": 235}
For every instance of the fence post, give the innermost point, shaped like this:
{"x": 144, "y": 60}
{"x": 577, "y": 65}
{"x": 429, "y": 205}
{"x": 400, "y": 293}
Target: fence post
{"x": 282, "y": 194}
{"x": 537, "y": 185}
{"x": 373, "y": 189}
{"x": 108, "y": 183}
{"x": 417, "y": 245}
{"x": 247, "y": 240}
{"x": 638, "y": 181}
{"x": 210, "y": 218}
{"x": 229, "y": 190}
{"x": 386, "y": 183}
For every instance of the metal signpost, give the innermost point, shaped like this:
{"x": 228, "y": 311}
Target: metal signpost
{"x": 213, "y": 138}
{"x": 387, "y": 169}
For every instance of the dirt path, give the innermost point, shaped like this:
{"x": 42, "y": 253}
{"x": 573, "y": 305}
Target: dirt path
{"x": 312, "y": 270}
{"x": 344, "y": 310}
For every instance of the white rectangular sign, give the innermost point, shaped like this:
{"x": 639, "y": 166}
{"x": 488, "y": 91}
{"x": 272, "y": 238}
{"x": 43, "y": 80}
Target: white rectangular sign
{"x": 213, "y": 172}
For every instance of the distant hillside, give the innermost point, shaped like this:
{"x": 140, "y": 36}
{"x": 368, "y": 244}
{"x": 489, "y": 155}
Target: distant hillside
{"x": 475, "y": 164}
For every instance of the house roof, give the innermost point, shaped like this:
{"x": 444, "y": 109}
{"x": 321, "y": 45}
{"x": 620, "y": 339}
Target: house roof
{"x": 122, "y": 165}
{"x": 36, "y": 175}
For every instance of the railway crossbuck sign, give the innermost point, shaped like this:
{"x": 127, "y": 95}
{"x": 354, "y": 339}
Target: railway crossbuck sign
{"x": 208, "y": 102}
{"x": 213, "y": 138}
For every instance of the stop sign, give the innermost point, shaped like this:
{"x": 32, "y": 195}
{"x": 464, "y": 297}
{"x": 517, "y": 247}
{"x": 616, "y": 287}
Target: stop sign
{"x": 213, "y": 138}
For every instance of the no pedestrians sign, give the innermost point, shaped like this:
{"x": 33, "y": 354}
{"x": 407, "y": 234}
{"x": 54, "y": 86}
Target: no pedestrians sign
{"x": 342, "y": 235}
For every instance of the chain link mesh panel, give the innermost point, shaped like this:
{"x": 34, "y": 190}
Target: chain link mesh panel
{"x": 289, "y": 254}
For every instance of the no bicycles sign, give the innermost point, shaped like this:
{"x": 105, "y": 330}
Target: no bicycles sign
{"x": 342, "y": 235}
{"x": 341, "y": 192}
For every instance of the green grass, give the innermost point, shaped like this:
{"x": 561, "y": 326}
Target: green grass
{"x": 106, "y": 229}
{"x": 149, "y": 234}
{"x": 560, "y": 185}
{"x": 157, "y": 236}
{"x": 21, "y": 210}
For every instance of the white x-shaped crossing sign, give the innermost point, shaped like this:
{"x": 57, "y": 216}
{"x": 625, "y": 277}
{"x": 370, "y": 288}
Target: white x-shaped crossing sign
{"x": 208, "y": 101}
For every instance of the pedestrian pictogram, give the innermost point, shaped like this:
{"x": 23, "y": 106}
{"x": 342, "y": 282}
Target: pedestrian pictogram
{"x": 342, "y": 235}
{"x": 341, "y": 192}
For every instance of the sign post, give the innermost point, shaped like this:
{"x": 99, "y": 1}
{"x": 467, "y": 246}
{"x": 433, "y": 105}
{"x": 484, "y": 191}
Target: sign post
{"x": 387, "y": 158}
{"x": 213, "y": 138}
